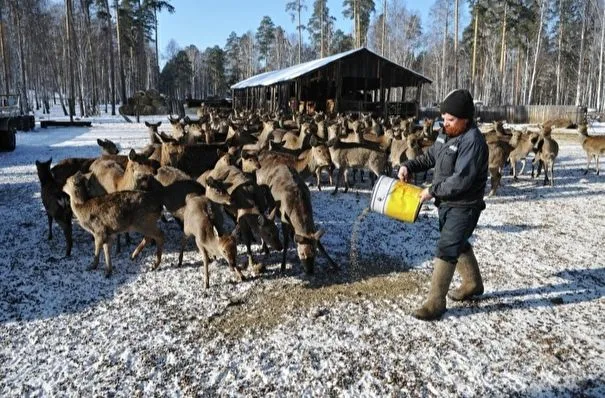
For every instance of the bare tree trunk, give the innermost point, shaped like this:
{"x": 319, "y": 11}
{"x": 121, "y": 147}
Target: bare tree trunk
{"x": 443, "y": 61}
{"x": 474, "y": 67}
{"x": 112, "y": 71}
{"x": 3, "y": 49}
{"x": 120, "y": 55}
{"x": 69, "y": 22}
{"x": 455, "y": 44}
{"x": 600, "y": 84}
{"x": 23, "y": 89}
{"x": 384, "y": 25}
{"x": 92, "y": 57}
{"x": 321, "y": 30}
{"x": 581, "y": 56}
{"x": 558, "y": 88}
{"x": 299, "y": 35}
{"x": 533, "y": 73}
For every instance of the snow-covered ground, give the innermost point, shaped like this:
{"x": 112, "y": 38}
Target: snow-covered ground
{"x": 538, "y": 331}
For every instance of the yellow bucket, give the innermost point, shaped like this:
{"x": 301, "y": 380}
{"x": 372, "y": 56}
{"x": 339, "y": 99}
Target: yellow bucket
{"x": 396, "y": 199}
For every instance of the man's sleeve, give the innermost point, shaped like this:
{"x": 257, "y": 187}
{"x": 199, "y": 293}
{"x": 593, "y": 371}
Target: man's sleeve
{"x": 466, "y": 169}
{"x": 423, "y": 162}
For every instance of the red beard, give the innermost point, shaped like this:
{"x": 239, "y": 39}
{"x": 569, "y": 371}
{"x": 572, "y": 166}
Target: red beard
{"x": 455, "y": 131}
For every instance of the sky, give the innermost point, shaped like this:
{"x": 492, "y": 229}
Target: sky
{"x": 208, "y": 23}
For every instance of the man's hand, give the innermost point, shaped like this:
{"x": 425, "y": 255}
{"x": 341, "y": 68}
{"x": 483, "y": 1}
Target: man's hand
{"x": 403, "y": 174}
{"x": 425, "y": 196}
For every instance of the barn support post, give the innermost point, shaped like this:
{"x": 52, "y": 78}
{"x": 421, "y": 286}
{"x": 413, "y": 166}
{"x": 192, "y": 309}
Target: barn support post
{"x": 382, "y": 89}
{"x": 338, "y": 87}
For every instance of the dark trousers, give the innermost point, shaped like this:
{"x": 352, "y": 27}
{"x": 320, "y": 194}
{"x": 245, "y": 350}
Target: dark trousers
{"x": 456, "y": 225}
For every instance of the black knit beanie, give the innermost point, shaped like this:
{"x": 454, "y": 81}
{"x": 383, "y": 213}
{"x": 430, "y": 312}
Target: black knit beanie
{"x": 458, "y": 103}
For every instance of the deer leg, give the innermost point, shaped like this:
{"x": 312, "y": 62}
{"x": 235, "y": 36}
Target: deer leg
{"x": 182, "y": 249}
{"x": 338, "y": 178}
{"x": 118, "y": 244}
{"x": 346, "y": 176}
{"x": 206, "y": 261}
{"x": 229, "y": 252}
{"x": 588, "y": 164}
{"x": 318, "y": 178}
{"x": 107, "y": 251}
{"x": 597, "y": 157}
{"x": 98, "y": 245}
{"x": 495, "y": 180}
{"x": 249, "y": 254}
{"x": 540, "y": 164}
{"x": 286, "y": 232}
{"x": 523, "y": 162}
{"x": 139, "y": 248}
{"x": 67, "y": 231}
{"x": 552, "y": 173}
{"x": 50, "y": 226}
{"x": 158, "y": 237}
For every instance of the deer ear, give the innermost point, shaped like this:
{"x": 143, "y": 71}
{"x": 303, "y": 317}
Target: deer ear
{"x": 132, "y": 155}
{"x": 147, "y": 124}
{"x": 272, "y": 214}
{"x": 318, "y": 234}
{"x": 100, "y": 142}
{"x": 298, "y": 238}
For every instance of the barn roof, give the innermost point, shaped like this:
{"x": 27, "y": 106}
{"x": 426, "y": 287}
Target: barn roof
{"x": 292, "y": 72}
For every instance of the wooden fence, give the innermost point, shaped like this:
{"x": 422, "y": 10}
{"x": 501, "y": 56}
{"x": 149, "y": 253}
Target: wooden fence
{"x": 520, "y": 113}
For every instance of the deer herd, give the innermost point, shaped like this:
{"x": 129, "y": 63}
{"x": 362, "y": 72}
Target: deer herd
{"x": 226, "y": 179}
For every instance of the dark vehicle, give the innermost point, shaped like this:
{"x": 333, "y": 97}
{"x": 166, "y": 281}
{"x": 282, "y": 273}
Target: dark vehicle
{"x": 9, "y": 115}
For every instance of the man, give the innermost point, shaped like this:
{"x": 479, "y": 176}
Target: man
{"x": 460, "y": 159}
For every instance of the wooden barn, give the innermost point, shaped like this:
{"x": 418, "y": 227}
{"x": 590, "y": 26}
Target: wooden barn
{"x": 357, "y": 80}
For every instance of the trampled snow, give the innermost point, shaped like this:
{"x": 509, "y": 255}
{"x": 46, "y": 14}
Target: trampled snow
{"x": 538, "y": 331}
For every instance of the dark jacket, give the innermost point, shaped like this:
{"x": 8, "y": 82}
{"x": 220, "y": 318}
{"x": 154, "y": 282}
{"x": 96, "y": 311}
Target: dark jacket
{"x": 460, "y": 164}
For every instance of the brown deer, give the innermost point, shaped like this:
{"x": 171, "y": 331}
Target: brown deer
{"x": 293, "y": 199}
{"x": 594, "y": 146}
{"x": 198, "y": 215}
{"x": 498, "y": 154}
{"x": 105, "y": 216}
{"x": 522, "y": 146}
{"x": 546, "y": 149}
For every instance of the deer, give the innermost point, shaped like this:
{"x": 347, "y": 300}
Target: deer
{"x": 153, "y": 130}
{"x": 594, "y": 146}
{"x": 498, "y": 154}
{"x": 108, "y": 147}
{"x": 68, "y": 167}
{"x": 198, "y": 215}
{"x": 56, "y": 203}
{"x": 105, "y": 216}
{"x": 293, "y": 199}
{"x": 112, "y": 177}
{"x": 245, "y": 201}
{"x": 546, "y": 149}
{"x": 522, "y": 146}
{"x": 178, "y": 128}
{"x": 352, "y": 155}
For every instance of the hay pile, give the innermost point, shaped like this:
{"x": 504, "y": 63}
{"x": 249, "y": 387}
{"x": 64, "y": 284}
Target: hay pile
{"x": 150, "y": 102}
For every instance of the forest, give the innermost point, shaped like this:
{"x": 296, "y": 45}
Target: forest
{"x": 89, "y": 54}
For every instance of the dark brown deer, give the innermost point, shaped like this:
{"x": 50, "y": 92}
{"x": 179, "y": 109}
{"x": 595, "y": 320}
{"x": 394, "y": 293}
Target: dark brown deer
{"x": 56, "y": 203}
